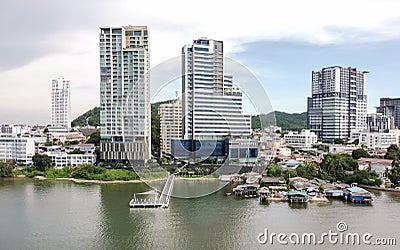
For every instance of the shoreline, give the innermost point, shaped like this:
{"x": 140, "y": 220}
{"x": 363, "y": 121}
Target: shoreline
{"x": 81, "y": 181}
{"x": 197, "y": 178}
{"x": 379, "y": 188}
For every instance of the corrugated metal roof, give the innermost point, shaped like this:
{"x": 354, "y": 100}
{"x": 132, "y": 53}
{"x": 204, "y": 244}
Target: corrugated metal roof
{"x": 357, "y": 190}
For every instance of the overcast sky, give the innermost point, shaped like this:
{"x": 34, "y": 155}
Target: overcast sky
{"x": 281, "y": 42}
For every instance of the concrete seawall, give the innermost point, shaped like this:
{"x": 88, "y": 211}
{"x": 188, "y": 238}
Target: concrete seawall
{"x": 379, "y": 188}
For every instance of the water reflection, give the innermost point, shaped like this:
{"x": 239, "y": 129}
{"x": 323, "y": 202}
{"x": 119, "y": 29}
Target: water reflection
{"x": 47, "y": 215}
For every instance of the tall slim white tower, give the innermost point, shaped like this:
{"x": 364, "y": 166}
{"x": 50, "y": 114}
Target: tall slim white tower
{"x": 124, "y": 93}
{"x": 211, "y": 105}
{"x": 60, "y": 103}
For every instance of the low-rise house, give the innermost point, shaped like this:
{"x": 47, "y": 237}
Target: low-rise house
{"x": 380, "y": 166}
{"x": 357, "y": 194}
{"x": 275, "y": 183}
{"x": 62, "y": 159}
{"x": 306, "y": 139}
{"x": 342, "y": 149}
{"x": 73, "y": 155}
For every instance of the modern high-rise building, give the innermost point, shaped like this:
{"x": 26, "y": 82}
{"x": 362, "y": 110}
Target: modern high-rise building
{"x": 379, "y": 123}
{"x": 124, "y": 94}
{"x": 211, "y": 105}
{"x": 170, "y": 123}
{"x": 390, "y": 107}
{"x": 60, "y": 103}
{"x": 338, "y": 105}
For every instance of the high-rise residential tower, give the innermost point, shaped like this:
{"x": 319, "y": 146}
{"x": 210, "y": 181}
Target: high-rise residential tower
{"x": 211, "y": 105}
{"x": 338, "y": 105}
{"x": 124, "y": 94}
{"x": 390, "y": 107}
{"x": 60, "y": 103}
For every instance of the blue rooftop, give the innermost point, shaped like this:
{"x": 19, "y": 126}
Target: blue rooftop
{"x": 295, "y": 192}
{"x": 357, "y": 190}
{"x": 292, "y": 163}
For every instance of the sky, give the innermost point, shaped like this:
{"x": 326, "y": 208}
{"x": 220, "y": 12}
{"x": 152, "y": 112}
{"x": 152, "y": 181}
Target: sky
{"x": 280, "y": 42}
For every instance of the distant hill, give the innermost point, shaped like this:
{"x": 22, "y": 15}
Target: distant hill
{"x": 284, "y": 120}
{"x": 154, "y": 106}
{"x": 91, "y": 117}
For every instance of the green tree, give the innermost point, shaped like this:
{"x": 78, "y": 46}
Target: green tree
{"x": 392, "y": 152}
{"x": 321, "y": 188}
{"x": 7, "y": 168}
{"x": 41, "y": 162}
{"x": 87, "y": 172}
{"x": 276, "y": 160}
{"x": 358, "y": 153}
{"x": 309, "y": 170}
{"x": 394, "y": 172}
{"x": 274, "y": 171}
{"x": 336, "y": 165}
{"x": 290, "y": 174}
{"x": 94, "y": 138}
{"x": 155, "y": 134}
{"x": 364, "y": 177}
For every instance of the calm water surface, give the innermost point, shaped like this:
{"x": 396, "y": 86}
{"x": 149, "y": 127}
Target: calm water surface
{"x": 62, "y": 215}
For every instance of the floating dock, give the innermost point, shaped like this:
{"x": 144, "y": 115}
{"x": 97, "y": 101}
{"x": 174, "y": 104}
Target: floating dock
{"x": 161, "y": 201}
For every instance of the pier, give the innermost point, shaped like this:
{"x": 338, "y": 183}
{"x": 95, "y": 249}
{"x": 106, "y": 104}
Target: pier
{"x": 161, "y": 201}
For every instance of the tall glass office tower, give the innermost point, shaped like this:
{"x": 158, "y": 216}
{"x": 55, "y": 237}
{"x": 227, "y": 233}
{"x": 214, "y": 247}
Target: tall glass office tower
{"x": 124, "y": 93}
{"x": 211, "y": 105}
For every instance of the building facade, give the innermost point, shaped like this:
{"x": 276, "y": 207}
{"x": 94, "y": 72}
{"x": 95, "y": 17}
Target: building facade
{"x": 377, "y": 141}
{"x": 390, "y": 107}
{"x": 243, "y": 150}
{"x": 306, "y": 139}
{"x": 338, "y": 104}
{"x": 63, "y": 159}
{"x": 124, "y": 94}
{"x": 170, "y": 123}
{"x": 211, "y": 105}
{"x": 20, "y": 149}
{"x": 60, "y": 103}
{"x": 379, "y": 123}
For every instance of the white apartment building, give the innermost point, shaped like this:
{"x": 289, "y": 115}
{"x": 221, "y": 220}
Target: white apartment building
{"x": 170, "y": 123}
{"x": 376, "y": 141}
{"x": 20, "y": 149}
{"x": 63, "y": 159}
{"x": 211, "y": 105}
{"x": 60, "y": 103}
{"x": 124, "y": 94}
{"x": 303, "y": 140}
{"x": 338, "y": 105}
